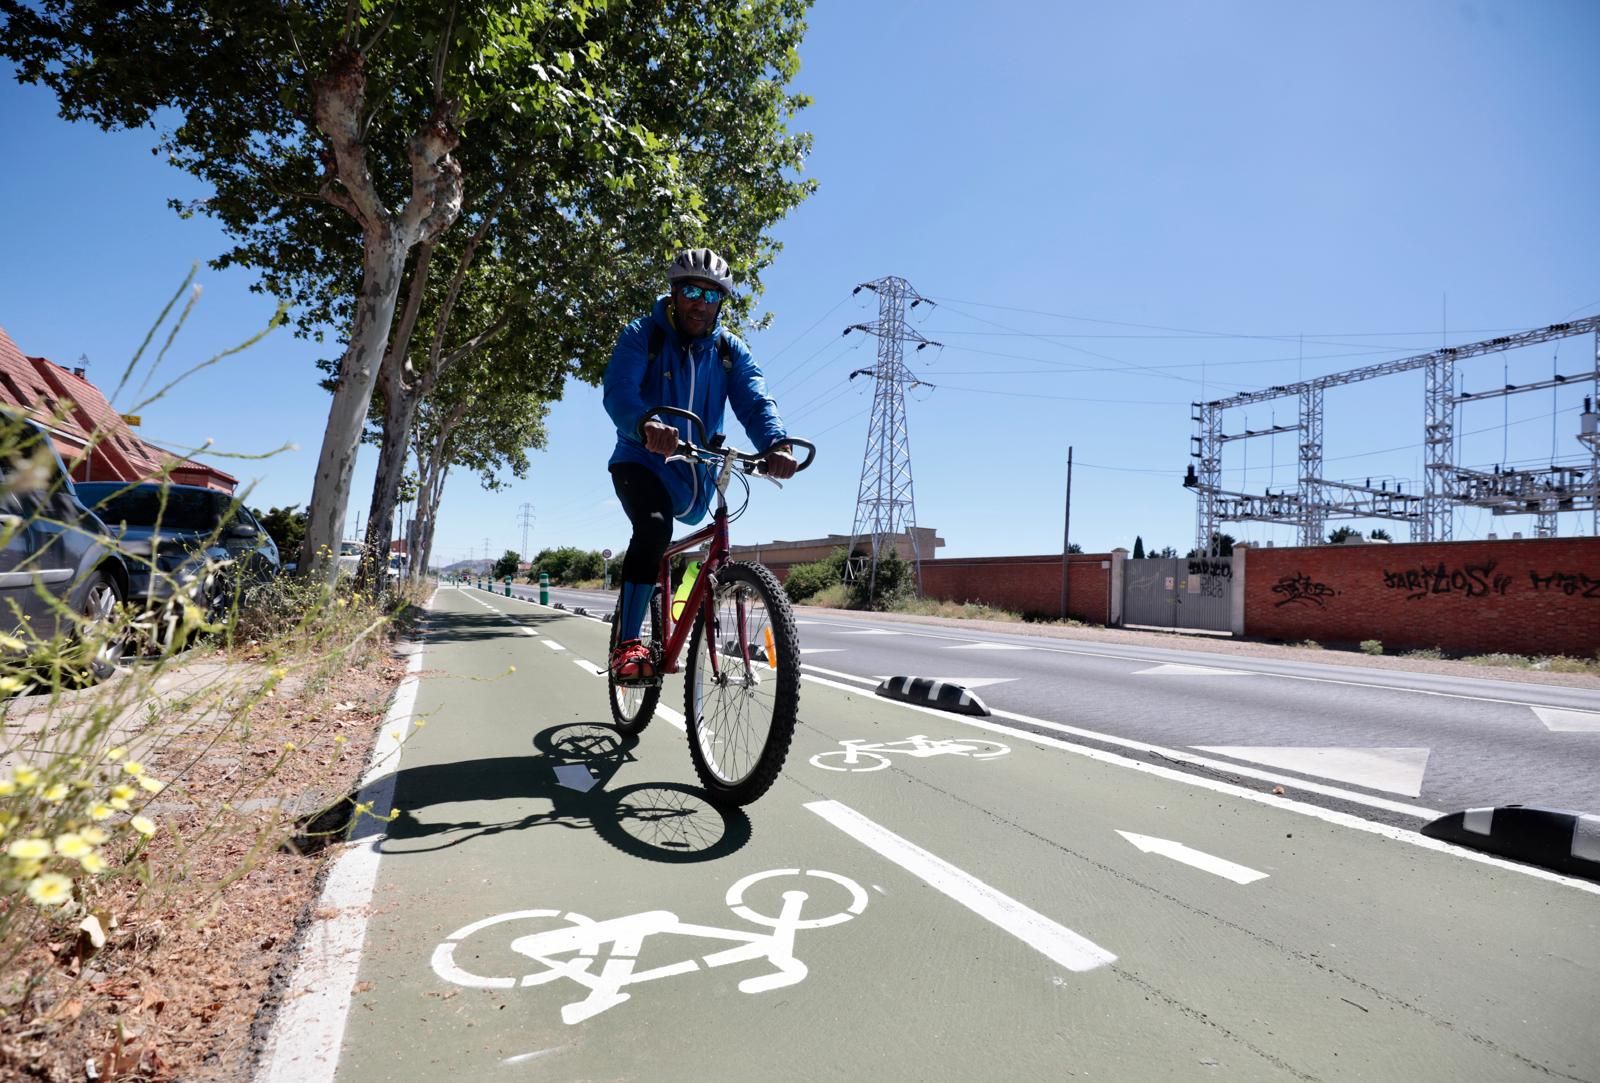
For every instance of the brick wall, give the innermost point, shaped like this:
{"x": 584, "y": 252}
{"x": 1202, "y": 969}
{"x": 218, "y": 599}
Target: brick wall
{"x": 1023, "y": 584}
{"x": 1527, "y": 596}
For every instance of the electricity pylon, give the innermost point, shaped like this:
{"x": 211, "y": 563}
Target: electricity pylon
{"x": 886, "y": 500}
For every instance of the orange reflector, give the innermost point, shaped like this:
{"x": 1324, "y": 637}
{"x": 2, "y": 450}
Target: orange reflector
{"x": 772, "y": 651}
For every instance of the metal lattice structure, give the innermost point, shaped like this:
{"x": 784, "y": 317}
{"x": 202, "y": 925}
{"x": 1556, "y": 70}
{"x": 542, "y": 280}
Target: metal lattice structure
{"x": 886, "y": 499}
{"x": 1543, "y": 493}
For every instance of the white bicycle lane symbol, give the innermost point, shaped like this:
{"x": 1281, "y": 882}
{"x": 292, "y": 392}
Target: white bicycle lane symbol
{"x": 866, "y": 756}
{"x": 573, "y": 951}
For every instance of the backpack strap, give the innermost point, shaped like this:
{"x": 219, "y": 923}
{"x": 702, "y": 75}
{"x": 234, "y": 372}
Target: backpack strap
{"x": 658, "y": 338}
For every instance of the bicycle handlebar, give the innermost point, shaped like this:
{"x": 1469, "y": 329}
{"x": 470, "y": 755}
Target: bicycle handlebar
{"x": 751, "y": 462}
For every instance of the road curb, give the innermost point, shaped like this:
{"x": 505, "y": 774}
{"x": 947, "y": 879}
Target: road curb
{"x": 1557, "y": 839}
{"x": 939, "y": 695}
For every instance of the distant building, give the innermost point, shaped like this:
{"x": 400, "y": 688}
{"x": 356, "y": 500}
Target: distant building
{"x": 95, "y": 442}
{"x": 781, "y": 555}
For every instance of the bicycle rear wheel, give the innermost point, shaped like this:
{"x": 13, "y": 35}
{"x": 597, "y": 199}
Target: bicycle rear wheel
{"x": 742, "y": 717}
{"x": 633, "y": 704}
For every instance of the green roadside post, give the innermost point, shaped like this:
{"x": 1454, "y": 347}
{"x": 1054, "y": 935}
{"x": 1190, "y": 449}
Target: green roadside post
{"x": 544, "y": 588}
{"x": 508, "y": 586}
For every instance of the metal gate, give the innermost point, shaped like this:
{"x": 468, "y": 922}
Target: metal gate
{"x": 1179, "y": 592}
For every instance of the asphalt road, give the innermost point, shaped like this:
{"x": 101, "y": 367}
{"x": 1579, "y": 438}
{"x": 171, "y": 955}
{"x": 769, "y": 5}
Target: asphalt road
{"x": 1396, "y": 747}
{"x": 920, "y": 897}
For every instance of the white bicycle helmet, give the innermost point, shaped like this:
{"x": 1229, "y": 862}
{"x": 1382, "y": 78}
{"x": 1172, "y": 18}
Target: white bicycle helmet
{"x": 704, "y": 264}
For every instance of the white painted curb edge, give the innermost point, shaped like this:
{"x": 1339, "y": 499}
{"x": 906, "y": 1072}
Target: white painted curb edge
{"x": 303, "y": 1046}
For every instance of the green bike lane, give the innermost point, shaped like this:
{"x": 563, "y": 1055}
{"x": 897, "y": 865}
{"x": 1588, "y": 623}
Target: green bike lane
{"x": 943, "y": 917}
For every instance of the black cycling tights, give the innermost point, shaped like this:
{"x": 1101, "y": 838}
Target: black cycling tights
{"x": 649, "y": 509}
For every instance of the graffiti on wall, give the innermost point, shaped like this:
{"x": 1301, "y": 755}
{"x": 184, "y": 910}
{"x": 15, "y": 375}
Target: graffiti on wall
{"x": 1468, "y": 581}
{"x": 1572, "y": 584}
{"x": 1222, "y": 569}
{"x": 1301, "y": 588}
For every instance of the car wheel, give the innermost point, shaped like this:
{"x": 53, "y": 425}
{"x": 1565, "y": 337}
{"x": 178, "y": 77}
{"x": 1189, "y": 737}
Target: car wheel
{"x": 99, "y": 610}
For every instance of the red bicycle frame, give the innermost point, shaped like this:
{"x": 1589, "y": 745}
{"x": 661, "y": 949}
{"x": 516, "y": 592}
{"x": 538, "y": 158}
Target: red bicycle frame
{"x": 699, "y": 598}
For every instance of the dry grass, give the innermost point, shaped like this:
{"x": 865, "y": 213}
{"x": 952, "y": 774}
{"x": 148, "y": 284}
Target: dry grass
{"x": 251, "y": 741}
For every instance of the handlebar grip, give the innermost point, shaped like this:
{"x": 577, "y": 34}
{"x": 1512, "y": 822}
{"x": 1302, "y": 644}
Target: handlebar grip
{"x": 694, "y": 420}
{"x": 810, "y": 448}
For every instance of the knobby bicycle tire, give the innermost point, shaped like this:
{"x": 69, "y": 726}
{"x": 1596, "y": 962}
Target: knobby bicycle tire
{"x": 633, "y": 705}
{"x": 741, "y": 786}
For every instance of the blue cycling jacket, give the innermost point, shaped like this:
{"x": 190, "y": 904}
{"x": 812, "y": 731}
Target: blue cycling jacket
{"x": 688, "y": 374}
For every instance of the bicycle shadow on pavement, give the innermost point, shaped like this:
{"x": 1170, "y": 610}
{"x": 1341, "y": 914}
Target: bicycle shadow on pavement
{"x": 657, "y": 821}
{"x": 451, "y": 627}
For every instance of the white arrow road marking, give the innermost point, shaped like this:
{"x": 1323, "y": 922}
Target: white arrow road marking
{"x": 1175, "y": 669}
{"x": 987, "y": 647}
{"x": 1218, "y": 866}
{"x": 964, "y": 682}
{"x": 1568, "y": 721}
{"x": 1396, "y": 770}
{"x": 1054, "y": 941}
{"x": 575, "y": 776}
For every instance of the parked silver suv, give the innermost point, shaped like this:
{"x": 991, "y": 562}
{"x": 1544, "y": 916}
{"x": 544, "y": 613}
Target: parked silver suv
{"x": 60, "y": 573}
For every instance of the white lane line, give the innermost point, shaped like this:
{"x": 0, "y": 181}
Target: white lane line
{"x": 308, "y": 1030}
{"x": 1196, "y": 859}
{"x": 552, "y": 644}
{"x": 673, "y": 717}
{"x": 1159, "y": 750}
{"x": 1049, "y": 938}
{"x": 1298, "y": 808}
{"x": 588, "y": 667}
{"x": 526, "y": 631}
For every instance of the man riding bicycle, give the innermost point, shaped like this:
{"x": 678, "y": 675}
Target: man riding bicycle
{"x": 677, "y": 356}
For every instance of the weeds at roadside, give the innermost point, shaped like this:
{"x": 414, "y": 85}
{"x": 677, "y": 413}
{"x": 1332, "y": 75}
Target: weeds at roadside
{"x": 1425, "y": 654}
{"x": 1372, "y": 646}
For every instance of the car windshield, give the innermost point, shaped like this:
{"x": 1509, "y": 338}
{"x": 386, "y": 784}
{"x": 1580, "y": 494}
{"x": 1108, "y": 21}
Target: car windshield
{"x": 349, "y": 549}
{"x": 195, "y": 510}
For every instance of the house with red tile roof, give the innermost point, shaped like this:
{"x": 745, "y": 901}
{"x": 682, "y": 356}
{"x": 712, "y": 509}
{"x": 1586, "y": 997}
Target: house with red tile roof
{"x": 95, "y": 442}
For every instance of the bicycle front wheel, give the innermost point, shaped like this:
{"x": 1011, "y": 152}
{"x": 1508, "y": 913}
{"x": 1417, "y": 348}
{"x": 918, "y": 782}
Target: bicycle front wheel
{"x": 633, "y": 704}
{"x": 742, "y": 704}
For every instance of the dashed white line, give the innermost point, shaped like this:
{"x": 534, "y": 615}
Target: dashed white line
{"x": 588, "y": 667}
{"x": 1050, "y": 938}
{"x": 552, "y": 644}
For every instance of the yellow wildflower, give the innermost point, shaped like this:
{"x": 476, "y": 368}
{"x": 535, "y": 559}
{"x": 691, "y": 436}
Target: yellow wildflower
{"x": 288, "y": 746}
{"x": 27, "y": 776}
{"x": 56, "y": 792}
{"x": 92, "y": 862}
{"x": 120, "y": 804}
{"x": 101, "y": 811}
{"x": 10, "y": 684}
{"x": 279, "y": 672}
{"x": 27, "y": 870}
{"x": 153, "y": 785}
{"x": 25, "y": 849}
{"x": 124, "y": 791}
{"x": 51, "y": 889}
{"x": 94, "y": 835}
{"x": 7, "y": 787}
{"x": 340, "y": 739}
{"x": 134, "y": 768}
{"x": 116, "y": 753}
{"x": 72, "y": 844}
{"x": 143, "y": 824}
{"x": 11, "y": 643}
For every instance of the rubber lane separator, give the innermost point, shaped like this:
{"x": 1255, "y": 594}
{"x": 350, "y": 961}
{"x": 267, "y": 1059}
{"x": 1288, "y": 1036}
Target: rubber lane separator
{"x": 1049, "y": 938}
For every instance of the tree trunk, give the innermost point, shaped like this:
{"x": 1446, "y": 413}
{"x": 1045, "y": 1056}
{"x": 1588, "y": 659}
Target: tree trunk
{"x": 400, "y": 409}
{"x": 432, "y": 519}
{"x": 382, "y": 264}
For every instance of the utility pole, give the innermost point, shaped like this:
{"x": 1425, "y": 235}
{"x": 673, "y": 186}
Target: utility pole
{"x": 1066, "y": 538}
{"x": 525, "y": 516}
{"x": 885, "y": 501}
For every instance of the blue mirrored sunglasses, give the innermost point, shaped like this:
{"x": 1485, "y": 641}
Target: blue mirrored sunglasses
{"x": 702, "y": 293}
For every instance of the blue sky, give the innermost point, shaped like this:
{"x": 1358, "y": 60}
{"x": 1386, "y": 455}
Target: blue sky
{"x": 1119, "y": 208}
